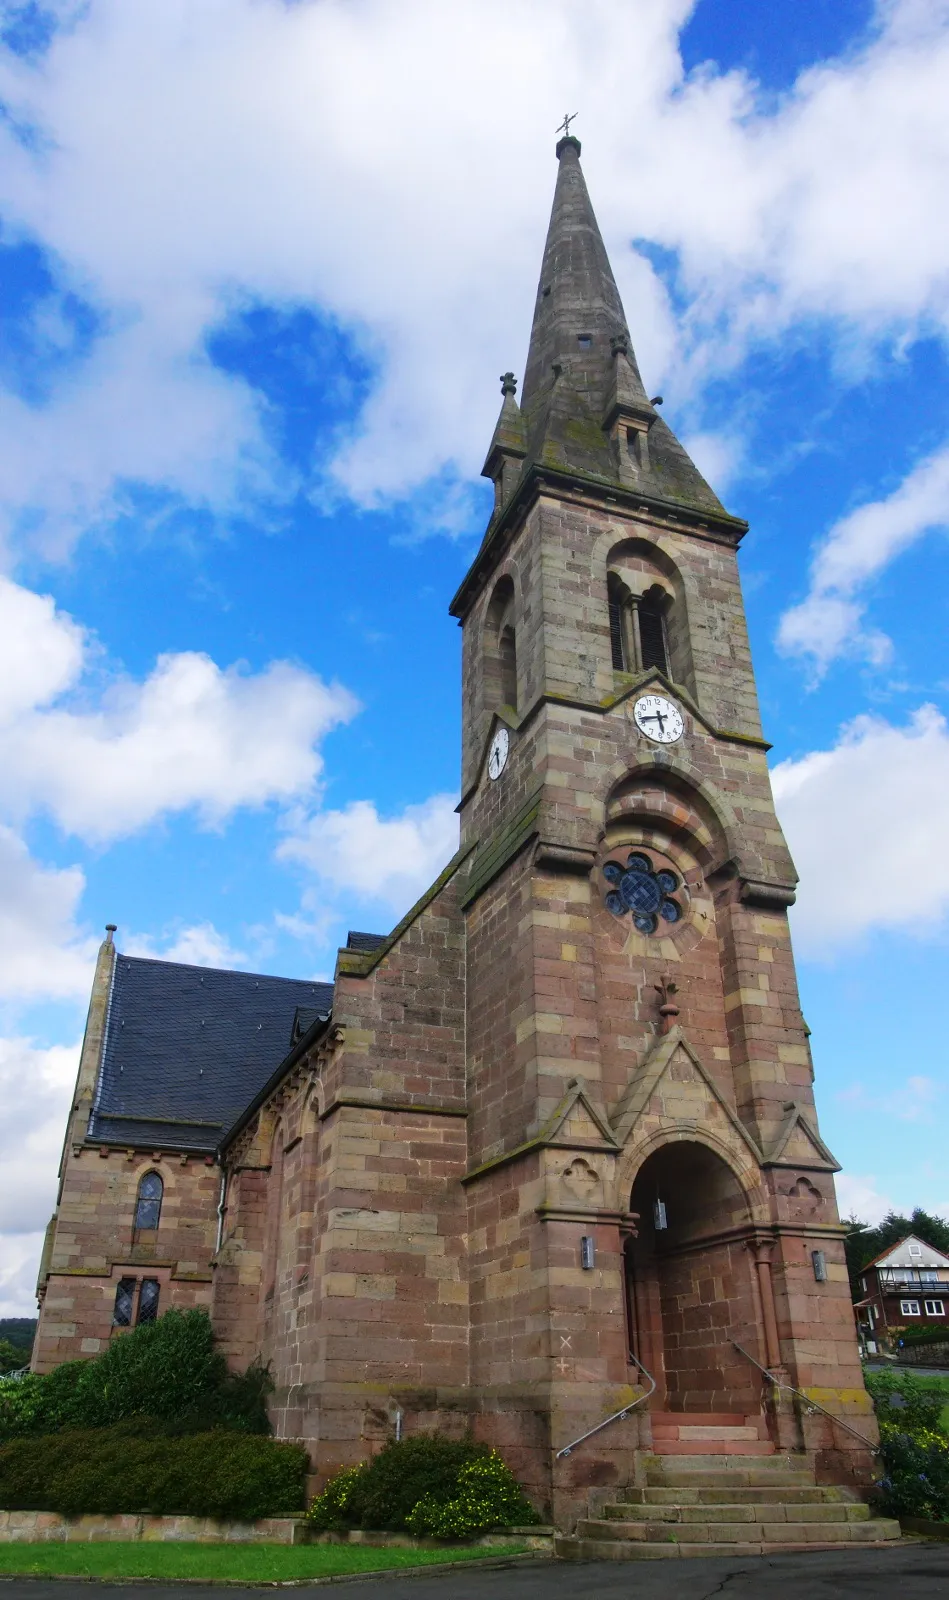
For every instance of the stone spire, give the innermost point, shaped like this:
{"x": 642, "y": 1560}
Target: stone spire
{"x": 578, "y": 310}
{"x": 584, "y": 409}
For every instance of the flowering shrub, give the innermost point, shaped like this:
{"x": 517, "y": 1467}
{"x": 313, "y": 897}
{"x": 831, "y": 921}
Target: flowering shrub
{"x": 330, "y": 1510}
{"x": 426, "y": 1485}
{"x": 487, "y": 1495}
{"x": 916, "y": 1473}
{"x": 914, "y": 1449}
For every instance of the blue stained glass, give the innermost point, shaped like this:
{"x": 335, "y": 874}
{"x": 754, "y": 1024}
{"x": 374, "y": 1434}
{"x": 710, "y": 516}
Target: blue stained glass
{"x": 643, "y": 891}
{"x": 640, "y": 891}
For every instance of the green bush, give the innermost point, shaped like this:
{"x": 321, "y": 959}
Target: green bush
{"x": 332, "y": 1510}
{"x": 12, "y": 1356}
{"x": 425, "y": 1471}
{"x": 927, "y": 1333}
{"x": 916, "y": 1473}
{"x": 914, "y": 1449}
{"x": 130, "y": 1469}
{"x": 903, "y": 1402}
{"x": 167, "y": 1370}
{"x": 487, "y": 1495}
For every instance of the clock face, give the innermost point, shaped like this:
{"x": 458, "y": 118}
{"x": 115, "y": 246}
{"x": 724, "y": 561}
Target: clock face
{"x": 658, "y": 718}
{"x": 497, "y": 755}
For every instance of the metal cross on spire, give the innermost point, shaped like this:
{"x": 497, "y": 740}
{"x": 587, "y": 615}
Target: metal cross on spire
{"x": 565, "y": 125}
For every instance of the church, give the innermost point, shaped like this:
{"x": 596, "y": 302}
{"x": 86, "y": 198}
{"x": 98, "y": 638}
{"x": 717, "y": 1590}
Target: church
{"x": 543, "y": 1163}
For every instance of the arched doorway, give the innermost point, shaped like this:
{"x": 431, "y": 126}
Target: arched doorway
{"x": 690, "y": 1282}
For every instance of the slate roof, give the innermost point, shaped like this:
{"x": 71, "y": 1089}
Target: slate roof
{"x": 187, "y": 1048}
{"x": 365, "y": 941}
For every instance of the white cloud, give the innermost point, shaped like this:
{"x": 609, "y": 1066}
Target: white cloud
{"x": 41, "y": 650}
{"x": 862, "y": 868}
{"x": 35, "y": 1090}
{"x": 915, "y": 1100}
{"x": 43, "y": 952}
{"x": 202, "y": 945}
{"x": 19, "y": 1265}
{"x": 858, "y": 1196}
{"x": 388, "y": 163}
{"x": 391, "y": 860}
{"x": 190, "y": 737}
{"x": 718, "y": 457}
{"x": 829, "y": 622}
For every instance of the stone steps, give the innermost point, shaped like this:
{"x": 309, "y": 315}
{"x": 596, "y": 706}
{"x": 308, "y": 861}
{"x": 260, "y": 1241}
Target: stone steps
{"x": 740, "y": 1494}
{"x": 573, "y": 1549}
{"x": 709, "y": 1433}
{"x": 627, "y": 1515}
{"x": 693, "y": 1471}
{"x": 726, "y": 1505}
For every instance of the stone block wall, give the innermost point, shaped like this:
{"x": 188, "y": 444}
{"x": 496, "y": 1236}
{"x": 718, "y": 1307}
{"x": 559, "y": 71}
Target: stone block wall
{"x": 95, "y": 1244}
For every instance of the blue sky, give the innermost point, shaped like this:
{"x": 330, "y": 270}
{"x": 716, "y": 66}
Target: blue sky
{"x": 260, "y": 265}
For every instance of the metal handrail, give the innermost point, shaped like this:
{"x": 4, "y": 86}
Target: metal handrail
{"x": 617, "y": 1415}
{"x": 810, "y": 1405}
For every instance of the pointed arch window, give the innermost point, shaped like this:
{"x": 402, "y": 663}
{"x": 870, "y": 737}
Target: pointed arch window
{"x": 124, "y": 1301}
{"x": 148, "y": 1301}
{"x": 148, "y": 1203}
{"x": 500, "y": 648}
{"x": 637, "y": 628}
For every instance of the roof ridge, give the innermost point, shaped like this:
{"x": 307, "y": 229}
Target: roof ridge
{"x": 231, "y": 972}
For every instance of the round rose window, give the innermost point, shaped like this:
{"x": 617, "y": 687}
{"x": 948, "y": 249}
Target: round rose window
{"x": 636, "y": 889}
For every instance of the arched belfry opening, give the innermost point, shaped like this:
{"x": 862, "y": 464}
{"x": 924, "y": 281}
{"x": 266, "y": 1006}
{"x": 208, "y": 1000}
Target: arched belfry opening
{"x": 690, "y": 1286}
{"x": 500, "y": 648}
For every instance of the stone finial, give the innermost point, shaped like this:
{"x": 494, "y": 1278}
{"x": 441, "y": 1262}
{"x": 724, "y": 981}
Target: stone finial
{"x": 110, "y": 929}
{"x": 619, "y": 345}
{"x": 508, "y": 383}
{"x": 668, "y": 1010}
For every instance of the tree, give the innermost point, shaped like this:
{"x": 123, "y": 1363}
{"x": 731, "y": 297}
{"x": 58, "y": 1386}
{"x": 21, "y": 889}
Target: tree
{"x": 12, "y": 1357}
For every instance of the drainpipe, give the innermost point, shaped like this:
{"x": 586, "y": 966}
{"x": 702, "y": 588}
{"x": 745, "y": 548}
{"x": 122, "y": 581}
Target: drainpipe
{"x": 221, "y": 1209}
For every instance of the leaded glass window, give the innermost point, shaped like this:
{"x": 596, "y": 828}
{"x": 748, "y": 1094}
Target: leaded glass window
{"x": 148, "y": 1300}
{"x": 635, "y": 889}
{"x": 148, "y": 1204}
{"x": 124, "y": 1298}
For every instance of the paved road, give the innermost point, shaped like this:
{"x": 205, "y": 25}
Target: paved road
{"x": 914, "y": 1572}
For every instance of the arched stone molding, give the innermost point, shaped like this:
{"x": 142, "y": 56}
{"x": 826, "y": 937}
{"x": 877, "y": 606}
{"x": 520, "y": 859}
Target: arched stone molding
{"x": 714, "y": 833}
{"x": 314, "y": 1104}
{"x": 731, "y": 1150}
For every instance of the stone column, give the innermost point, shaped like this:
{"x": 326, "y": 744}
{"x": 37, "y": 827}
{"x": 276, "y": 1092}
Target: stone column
{"x": 762, "y": 1250}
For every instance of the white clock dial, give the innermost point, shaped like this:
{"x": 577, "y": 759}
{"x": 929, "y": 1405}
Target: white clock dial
{"x": 658, "y": 718}
{"x": 497, "y": 755}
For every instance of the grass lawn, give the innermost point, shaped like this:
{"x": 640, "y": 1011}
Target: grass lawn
{"x": 249, "y": 1563}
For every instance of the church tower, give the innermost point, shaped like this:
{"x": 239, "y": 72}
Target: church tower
{"x": 542, "y": 1163}
{"x": 650, "y": 1202}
